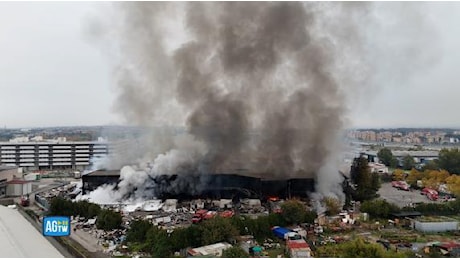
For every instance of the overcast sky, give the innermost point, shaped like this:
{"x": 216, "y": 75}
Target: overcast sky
{"x": 53, "y": 75}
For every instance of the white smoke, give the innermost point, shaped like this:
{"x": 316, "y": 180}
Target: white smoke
{"x": 131, "y": 180}
{"x": 135, "y": 180}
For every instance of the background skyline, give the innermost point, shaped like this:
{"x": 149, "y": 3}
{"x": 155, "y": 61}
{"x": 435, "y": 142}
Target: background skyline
{"x": 54, "y": 73}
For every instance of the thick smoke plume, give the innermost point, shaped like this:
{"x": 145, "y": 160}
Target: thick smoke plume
{"x": 260, "y": 86}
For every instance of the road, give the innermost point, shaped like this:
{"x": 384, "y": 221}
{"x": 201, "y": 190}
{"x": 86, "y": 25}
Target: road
{"x": 400, "y": 197}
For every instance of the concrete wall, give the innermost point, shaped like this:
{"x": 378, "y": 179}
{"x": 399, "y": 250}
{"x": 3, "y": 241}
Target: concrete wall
{"x": 18, "y": 189}
{"x": 436, "y": 226}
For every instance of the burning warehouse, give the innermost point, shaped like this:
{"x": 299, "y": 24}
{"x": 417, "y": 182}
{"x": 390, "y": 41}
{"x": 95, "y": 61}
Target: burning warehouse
{"x": 205, "y": 186}
{"x": 254, "y": 86}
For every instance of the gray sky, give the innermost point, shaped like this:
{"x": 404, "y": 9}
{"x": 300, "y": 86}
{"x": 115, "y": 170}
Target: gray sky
{"x": 53, "y": 75}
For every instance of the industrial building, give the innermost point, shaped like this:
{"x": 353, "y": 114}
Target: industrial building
{"x": 222, "y": 185}
{"x": 8, "y": 176}
{"x": 97, "y": 178}
{"x": 51, "y": 155}
{"x": 419, "y": 156}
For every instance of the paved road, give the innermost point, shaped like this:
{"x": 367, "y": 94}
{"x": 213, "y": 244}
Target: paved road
{"x": 400, "y": 197}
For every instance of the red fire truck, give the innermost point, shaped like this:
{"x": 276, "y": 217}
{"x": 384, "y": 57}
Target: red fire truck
{"x": 400, "y": 185}
{"x": 430, "y": 193}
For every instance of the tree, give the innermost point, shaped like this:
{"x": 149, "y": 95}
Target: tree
{"x": 86, "y": 209}
{"x": 137, "y": 231}
{"x": 61, "y": 207}
{"x": 434, "y": 178}
{"x": 415, "y": 176}
{"x": 157, "y": 242}
{"x": 234, "y": 252}
{"x": 366, "y": 183}
{"x": 453, "y": 184}
{"x": 108, "y": 220}
{"x": 358, "y": 248}
{"x": 217, "y": 230}
{"x": 449, "y": 160}
{"x": 333, "y": 206}
{"x": 398, "y": 175}
{"x": 431, "y": 165}
{"x": 408, "y": 162}
{"x": 386, "y": 157}
{"x": 293, "y": 211}
{"x": 310, "y": 216}
{"x": 378, "y": 208}
{"x": 276, "y": 220}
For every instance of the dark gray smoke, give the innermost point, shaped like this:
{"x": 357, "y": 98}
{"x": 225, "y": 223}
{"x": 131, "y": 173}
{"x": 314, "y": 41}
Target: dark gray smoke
{"x": 261, "y": 87}
{"x": 256, "y": 82}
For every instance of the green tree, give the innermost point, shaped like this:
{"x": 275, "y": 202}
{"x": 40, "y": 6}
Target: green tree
{"x": 217, "y": 230}
{"x": 386, "y": 157}
{"x": 408, "y": 162}
{"x": 366, "y": 183}
{"x": 431, "y": 165}
{"x": 138, "y": 231}
{"x": 61, "y": 207}
{"x": 358, "y": 248}
{"x": 449, "y": 160}
{"x": 108, "y": 220}
{"x": 235, "y": 252}
{"x": 157, "y": 242}
{"x": 86, "y": 209}
{"x": 293, "y": 211}
{"x": 379, "y": 208}
{"x": 333, "y": 206}
{"x": 310, "y": 217}
{"x": 186, "y": 237}
{"x": 276, "y": 220}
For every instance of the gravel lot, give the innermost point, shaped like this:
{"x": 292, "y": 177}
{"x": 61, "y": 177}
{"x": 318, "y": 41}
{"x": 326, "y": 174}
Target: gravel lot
{"x": 400, "y": 197}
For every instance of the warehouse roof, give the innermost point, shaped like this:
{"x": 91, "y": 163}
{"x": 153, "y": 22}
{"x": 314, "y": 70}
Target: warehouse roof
{"x": 103, "y": 173}
{"x": 18, "y": 238}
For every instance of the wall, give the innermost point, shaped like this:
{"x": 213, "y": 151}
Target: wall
{"x": 18, "y": 189}
{"x": 436, "y": 226}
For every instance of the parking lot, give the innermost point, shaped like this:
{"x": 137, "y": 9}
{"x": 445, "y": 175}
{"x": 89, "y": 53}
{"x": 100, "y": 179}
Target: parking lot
{"x": 402, "y": 198}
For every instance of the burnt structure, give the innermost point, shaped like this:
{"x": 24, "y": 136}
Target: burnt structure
{"x": 208, "y": 186}
{"x": 98, "y": 178}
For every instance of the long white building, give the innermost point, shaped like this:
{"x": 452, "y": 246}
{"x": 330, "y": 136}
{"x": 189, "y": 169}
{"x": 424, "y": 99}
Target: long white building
{"x": 49, "y": 155}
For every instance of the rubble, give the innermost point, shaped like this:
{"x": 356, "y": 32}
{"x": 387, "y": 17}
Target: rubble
{"x": 152, "y": 205}
{"x": 170, "y": 205}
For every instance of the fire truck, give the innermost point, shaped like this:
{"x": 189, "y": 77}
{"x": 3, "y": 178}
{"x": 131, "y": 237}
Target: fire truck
{"x": 25, "y": 201}
{"x": 199, "y": 216}
{"x": 430, "y": 193}
{"x": 400, "y": 185}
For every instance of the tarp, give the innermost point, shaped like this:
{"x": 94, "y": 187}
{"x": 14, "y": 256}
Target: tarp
{"x": 257, "y": 249}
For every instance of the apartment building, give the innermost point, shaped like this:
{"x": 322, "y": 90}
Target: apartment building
{"x": 51, "y": 155}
